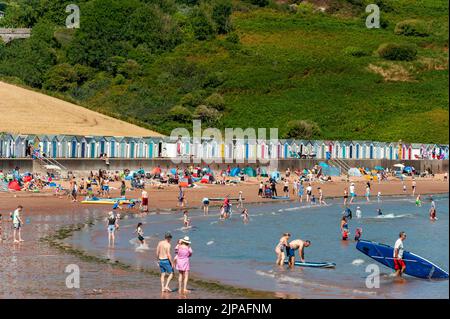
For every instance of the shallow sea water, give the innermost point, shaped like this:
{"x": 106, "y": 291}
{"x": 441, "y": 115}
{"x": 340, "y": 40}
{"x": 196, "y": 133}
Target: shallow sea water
{"x": 243, "y": 254}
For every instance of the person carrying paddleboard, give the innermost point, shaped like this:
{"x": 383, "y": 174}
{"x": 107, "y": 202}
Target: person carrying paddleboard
{"x": 398, "y": 255}
{"x": 296, "y": 244}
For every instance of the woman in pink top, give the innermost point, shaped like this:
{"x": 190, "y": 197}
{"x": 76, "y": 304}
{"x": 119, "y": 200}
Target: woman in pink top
{"x": 184, "y": 252}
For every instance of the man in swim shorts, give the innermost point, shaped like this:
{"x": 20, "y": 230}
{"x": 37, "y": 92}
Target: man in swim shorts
{"x": 398, "y": 255}
{"x": 294, "y": 245}
{"x": 165, "y": 261}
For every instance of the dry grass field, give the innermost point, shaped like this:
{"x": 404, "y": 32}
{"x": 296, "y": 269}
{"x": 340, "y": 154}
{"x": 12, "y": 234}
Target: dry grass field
{"x": 28, "y": 112}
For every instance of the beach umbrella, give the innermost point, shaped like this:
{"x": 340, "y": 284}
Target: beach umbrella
{"x": 379, "y": 168}
{"x": 408, "y": 169}
{"x": 173, "y": 171}
{"x": 399, "y": 165}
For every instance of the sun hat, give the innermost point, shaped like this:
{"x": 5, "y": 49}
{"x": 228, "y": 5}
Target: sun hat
{"x": 186, "y": 240}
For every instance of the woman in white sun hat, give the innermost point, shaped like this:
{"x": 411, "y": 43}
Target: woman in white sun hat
{"x": 184, "y": 252}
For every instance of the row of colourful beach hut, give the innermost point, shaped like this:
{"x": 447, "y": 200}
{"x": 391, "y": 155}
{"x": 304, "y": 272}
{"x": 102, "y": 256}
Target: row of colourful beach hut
{"x": 67, "y": 146}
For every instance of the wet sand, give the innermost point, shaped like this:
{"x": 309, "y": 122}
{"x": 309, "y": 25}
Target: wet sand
{"x": 35, "y": 269}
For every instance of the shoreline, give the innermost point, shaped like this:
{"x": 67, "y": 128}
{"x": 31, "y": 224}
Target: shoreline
{"x": 51, "y": 216}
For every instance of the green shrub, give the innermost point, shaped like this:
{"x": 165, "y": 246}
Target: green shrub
{"x": 207, "y": 114}
{"x": 119, "y": 79}
{"x": 301, "y": 129}
{"x": 305, "y": 8}
{"x": 233, "y": 38}
{"x": 412, "y": 27}
{"x": 355, "y": 51}
{"x": 180, "y": 113}
{"x": 397, "y": 52}
{"x": 61, "y": 77}
{"x": 216, "y": 101}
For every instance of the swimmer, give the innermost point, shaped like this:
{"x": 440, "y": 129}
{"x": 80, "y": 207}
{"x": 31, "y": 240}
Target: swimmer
{"x": 279, "y": 249}
{"x": 294, "y": 245}
{"x": 379, "y": 196}
{"x": 140, "y": 233}
{"x": 358, "y": 212}
{"x": 244, "y": 215}
{"x": 358, "y": 233}
{"x": 379, "y": 212}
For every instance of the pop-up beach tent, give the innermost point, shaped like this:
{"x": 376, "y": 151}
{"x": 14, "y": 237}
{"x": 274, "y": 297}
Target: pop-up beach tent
{"x": 14, "y": 185}
{"x": 250, "y": 171}
{"x": 354, "y": 172}
{"x": 235, "y": 172}
{"x": 276, "y": 175}
{"x": 264, "y": 172}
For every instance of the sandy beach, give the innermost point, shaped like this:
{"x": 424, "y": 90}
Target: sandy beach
{"x": 35, "y": 269}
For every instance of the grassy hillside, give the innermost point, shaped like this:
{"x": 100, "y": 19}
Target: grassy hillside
{"x": 259, "y": 67}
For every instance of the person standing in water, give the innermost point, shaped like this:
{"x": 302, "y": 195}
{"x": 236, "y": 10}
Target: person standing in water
{"x": 308, "y": 193}
{"x": 321, "y": 200}
{"x": 301, "y": 190}
{"x": 358, "y": 233}
{"x": 244, "y": 215}
{"x": 17, "y": 224}
{"x": 358, "y": 212}
{"x": 352, "y": 192}
{"x": 184, "y": 253}
{"x": 413, "y": 186}
{"x": 165, "y": 261}
{"x": 111, "y": 224}
{"x": 294, "y": 245}
{"x": 344, "y": 228}
{"x": 186, "y": 219}
{"x": 140, "y": 234}
{"x": 368, "y": 193}
{"x": 240, "y": 200}
{"x": 418, "y": 201}
{"x": 399, "y": 264}
{"x": 280, "y": 247}
{"x": 345, "y": 197}
{"x": 205, "y": 202}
